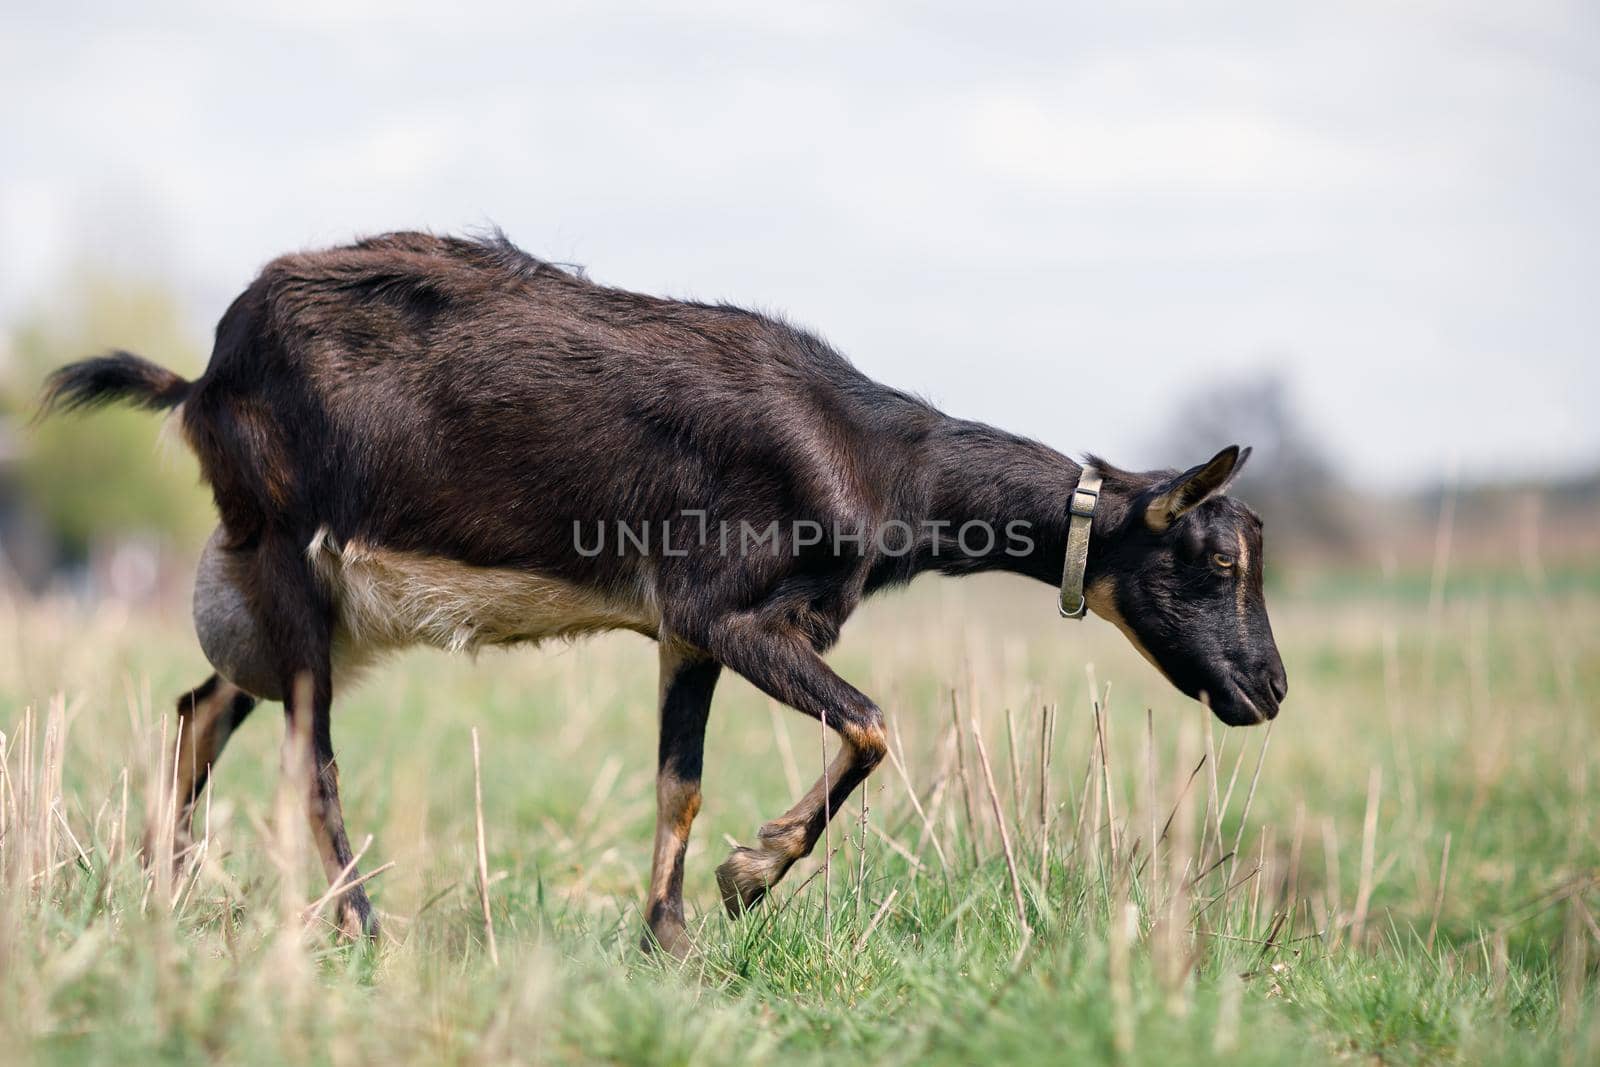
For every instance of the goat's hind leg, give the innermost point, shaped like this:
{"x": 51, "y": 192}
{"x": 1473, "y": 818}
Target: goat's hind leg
{"x": 299, "y": 632}
{"x": 308, "y": 720}
{"x": 233, "y": 641}
{"x": 207, "y": 717}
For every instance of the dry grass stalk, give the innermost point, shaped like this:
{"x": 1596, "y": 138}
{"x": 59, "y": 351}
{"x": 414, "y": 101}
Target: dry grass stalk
{"x": 49, "y": 795}
{"x": 1084, "y": 823}
{"x": 1150, "y": 780}
{"x": 827, "y": 824}
{"x": 159, "y": 823}
{"x": 1183, "y": 791}
{"x": 196, "y": 858}
{"x": 1016, "y": 771}
{"x": 1249, "y": 799}
{"x": 1123, "y": 928}
{"x": 1094, "y": 772}
{"x": 1588, "y": 918}
{"x": 1261, "y": 865}
{"x": 1170, "y": 937}
{"x": 1369, "y": 846}
{"x": 364, "y": 879}
{"x": 1046, "y": 736}
{"x": 289, "y": 816}
{"x": 1332, "y": 905}
{"x": 1438, "y": 896}
{"x": 83, "y": 857}
{"x": 883, "y": 909}
{"x": 1499, "y": 967}
{"x": 119, "y": 845}
{"x": 288, "y": 968}
{"x": 1214, "y": 805}
{"x": 928, "y": 832}
{"x": 1086, "y": 831}
{"x": 900, "y": 850}
{"x": 483, "y": 852}
{"x": 25, "y": 807}
{"x": 1102, "y": 729}
{"x": 339, "y": 886}
{"x": 966, "y": 783}
{"x": 1005, "y": 837}
{"x": 1227, "y": 797}
{"x": 933, "y": 802}
{"x": 1573, "y": 967}
{"x": 861, "y": 850}
{"x": 8, "y": 812}
{"x": 171, "y": 858}
{"x": 939, "y": 814}
{"x": 1295, "y": 849}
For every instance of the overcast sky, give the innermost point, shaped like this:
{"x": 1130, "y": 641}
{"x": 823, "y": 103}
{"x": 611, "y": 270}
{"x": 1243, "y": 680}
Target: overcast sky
{"x": 1061, "y": 218}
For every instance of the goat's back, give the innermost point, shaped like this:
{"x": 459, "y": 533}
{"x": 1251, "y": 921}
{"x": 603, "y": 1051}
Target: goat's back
{"x": 461, "y": 398}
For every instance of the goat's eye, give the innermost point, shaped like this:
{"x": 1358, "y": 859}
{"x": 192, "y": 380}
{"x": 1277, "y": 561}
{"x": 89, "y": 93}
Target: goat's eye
{"x": 1222, "y": 560}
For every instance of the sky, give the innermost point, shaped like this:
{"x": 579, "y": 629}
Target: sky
{"x": 1067, "y": 219}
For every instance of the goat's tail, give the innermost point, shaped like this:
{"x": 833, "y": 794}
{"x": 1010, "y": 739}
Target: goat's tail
{"x": 118, "y": 377}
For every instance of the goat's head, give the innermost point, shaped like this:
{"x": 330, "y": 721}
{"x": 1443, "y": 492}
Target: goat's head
{"x": 1179, "y": 571}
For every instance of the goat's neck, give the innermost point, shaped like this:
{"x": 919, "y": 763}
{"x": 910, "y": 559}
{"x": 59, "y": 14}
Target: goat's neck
{"x": 975, "y": 474}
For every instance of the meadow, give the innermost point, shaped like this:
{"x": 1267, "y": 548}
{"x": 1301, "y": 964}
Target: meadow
{"x": 1065, "y": 861}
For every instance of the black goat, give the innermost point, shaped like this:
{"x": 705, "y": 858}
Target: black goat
{"x": 419, "y": 439}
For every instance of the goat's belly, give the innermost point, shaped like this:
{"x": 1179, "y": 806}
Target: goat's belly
{"x": 385, "y": 601}
{"x": 388, "y": 600}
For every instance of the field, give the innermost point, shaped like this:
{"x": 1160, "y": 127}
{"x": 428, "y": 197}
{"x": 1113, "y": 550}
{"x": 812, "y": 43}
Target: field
{"x": 1406, "y": 868}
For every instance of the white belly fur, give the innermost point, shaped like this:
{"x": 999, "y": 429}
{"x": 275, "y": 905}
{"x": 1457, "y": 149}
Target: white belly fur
{"x": 388, "y": 600}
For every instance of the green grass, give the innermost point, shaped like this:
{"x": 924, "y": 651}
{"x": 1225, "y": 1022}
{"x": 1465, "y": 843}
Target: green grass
{"x": 1326, "y": 937}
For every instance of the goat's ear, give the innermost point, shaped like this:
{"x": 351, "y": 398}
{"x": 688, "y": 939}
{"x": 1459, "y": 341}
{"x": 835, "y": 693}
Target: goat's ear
{"x": 1193, "y": 486}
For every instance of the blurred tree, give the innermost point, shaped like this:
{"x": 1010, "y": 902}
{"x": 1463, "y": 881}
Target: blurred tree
{"x": 1288, "y": 480}
{"x": 106, "y": 477}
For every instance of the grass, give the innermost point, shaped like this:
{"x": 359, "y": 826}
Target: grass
{"x": 1298, "y": 907}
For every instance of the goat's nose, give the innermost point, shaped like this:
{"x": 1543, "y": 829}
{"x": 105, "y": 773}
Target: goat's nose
{"x": 1279, "y": 681}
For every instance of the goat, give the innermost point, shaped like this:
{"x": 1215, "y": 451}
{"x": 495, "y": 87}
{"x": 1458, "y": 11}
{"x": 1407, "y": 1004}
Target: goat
{"x": 422, "y": 439}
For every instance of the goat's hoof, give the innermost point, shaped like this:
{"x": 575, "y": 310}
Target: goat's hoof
{"x": 356, "y": 921}
{"x": 667, "y": 936}
{"x": 744, "y": 878}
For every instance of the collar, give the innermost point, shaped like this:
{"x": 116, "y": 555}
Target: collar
{"x": 1080, "y": 517}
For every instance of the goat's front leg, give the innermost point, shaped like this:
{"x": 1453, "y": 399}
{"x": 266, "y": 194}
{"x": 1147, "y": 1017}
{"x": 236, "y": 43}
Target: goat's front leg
{"x": 780, "y": 661}
{"x": 688, "y": 677}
